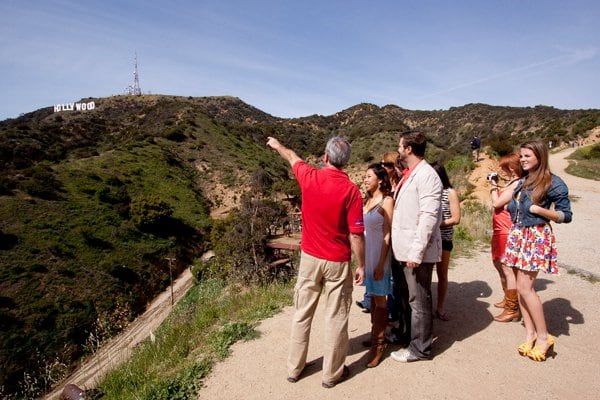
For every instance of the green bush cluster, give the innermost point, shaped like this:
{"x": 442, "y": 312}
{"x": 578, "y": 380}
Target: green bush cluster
{"x": 176, "y": 133}
{"x": 501, "y": 145}
{"x": 7, "y": 184}
{"x": 587, "y": 153}
{"x": 147, "y": 211}
{"x": 229, "y": 334}
{"x": 594, "y": 153}
{"x": 42, "y": 183}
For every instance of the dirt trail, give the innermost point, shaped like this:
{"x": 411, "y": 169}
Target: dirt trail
{"x": 474, "y": 357}
{"x": 120, "y": 347}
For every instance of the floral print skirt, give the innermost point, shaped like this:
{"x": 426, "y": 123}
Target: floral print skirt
{"x": 531, "y": 248}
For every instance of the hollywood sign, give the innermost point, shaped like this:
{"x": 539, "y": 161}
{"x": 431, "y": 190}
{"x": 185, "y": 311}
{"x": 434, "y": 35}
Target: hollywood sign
{"x": 74, "y": 106}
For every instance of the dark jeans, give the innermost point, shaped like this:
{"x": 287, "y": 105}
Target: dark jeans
{"x": 418, "y": 281}
{"x": 399, "y": 309}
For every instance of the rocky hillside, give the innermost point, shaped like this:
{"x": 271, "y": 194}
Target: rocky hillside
{"x": 92, "y": 203}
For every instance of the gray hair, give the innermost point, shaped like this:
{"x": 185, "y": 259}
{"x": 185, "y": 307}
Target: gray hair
{"x": 338, "y": 151}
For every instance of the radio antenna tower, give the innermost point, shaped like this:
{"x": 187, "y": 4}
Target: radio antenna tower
{"x": 135, "y": 88}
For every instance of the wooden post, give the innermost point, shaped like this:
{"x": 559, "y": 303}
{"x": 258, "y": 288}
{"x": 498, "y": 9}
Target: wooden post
{"x": 171, "y": 259}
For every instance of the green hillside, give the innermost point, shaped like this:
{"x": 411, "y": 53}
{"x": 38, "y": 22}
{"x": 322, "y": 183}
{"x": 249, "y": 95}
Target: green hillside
{"x": 79, "y": 255}
{"x": 92, "y": 202}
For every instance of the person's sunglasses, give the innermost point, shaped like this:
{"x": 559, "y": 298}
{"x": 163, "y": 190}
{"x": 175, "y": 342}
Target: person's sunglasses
{"x": 387, "y": 164}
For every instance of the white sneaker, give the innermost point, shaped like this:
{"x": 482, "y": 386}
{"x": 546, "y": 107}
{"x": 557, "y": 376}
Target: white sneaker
{"x": 404, "y": 355}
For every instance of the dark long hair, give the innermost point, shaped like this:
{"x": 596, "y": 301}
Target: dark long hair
{"x": 385, "y": 186}
{"x": 441, "y": 171}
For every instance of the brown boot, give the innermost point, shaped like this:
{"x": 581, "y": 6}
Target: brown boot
{"x": 502, "y": 303}
{"x": 511, "y": 309}
{"x": 369, "y": 343}
{"x": 380, "y": 319}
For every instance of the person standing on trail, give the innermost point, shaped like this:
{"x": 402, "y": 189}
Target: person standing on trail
{"x": 531, "y": 247}
{"x": 416, "y": 240}
{"x": 475, "y": 146}
{"x": 450, "y": 217}
{"x": 332, "y": 227}
{"x": 511, "y": 171}
{"x": 388, "y": 162}
{"x": 377, "y": 213}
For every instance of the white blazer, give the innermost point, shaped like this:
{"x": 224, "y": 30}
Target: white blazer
{"x": 417, "y": 217}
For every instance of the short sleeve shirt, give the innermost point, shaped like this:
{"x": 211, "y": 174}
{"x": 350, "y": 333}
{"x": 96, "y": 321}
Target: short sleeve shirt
{"x": 331, "y": 210}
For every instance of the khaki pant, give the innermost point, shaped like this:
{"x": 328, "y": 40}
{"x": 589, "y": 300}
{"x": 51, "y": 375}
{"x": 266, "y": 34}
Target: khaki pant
{"x": 334, "y": 279}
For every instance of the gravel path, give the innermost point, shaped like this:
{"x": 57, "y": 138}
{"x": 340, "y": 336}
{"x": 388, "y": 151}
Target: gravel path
{"x": 474, "y": 357}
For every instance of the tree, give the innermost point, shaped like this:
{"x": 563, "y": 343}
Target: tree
{"x": 240, "y": 241}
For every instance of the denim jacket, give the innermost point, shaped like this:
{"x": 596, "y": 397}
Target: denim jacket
{"x": 558, "y": 193}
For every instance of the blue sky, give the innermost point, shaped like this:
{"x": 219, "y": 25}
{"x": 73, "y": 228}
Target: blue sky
{"x": 298, "y": 58}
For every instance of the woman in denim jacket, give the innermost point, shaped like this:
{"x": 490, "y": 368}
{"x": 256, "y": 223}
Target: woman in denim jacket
{"x": 531, "y": 244}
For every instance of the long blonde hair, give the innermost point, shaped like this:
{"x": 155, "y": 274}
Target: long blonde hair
{"x": 540, "y": 179}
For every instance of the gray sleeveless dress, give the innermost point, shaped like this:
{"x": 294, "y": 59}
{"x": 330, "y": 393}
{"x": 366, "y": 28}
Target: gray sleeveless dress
{"x": 373, "y": 221}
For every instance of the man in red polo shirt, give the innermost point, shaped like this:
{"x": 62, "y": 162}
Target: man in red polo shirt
{"x": 332, "y": 226}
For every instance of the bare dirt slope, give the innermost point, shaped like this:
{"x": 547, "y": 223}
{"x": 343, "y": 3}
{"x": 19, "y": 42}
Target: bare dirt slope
{"x": 474, "y": 357}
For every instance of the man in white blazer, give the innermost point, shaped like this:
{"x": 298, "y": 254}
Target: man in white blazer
{"x": 416, "y": 240}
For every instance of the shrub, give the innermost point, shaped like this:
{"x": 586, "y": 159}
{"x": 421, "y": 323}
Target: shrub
{"x": 289, "y": 187}
{"x": 176, "y": 134}
{"x": 123, "y": 273}
{"x": 240, "y": 241}
{"x": 594, "y": 152}
{"x": 147, "y": 211}
{"x": 7, "y": 241}
{"x": 475, "y": 225}
{"x": 365, "y": 156}
{"x": 231, "y": 333}
{"x": 42, "y": 183}
{"x": 183, "y": 386}
{"x": 211, "y": 269}
{"x": 6, "y": 185}
{"x": 107, "y": 195}
{"x": 502, "y": 145}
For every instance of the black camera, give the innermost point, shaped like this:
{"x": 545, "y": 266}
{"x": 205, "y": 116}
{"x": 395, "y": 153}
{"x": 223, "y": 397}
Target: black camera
{"x": 492, "y": 177}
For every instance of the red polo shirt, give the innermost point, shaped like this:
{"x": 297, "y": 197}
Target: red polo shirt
{"x": 331, "y": 210}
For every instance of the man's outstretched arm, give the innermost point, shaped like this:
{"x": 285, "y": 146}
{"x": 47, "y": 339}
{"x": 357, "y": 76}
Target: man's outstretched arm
{"x": 287, "y": 154}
